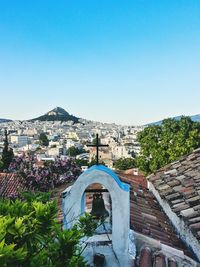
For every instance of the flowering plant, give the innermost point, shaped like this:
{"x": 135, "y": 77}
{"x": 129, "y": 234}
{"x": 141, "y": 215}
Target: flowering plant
{"x": 43, "y": 178}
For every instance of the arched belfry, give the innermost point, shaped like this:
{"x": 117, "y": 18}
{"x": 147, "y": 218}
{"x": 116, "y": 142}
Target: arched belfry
{"x": 74, "y": 203}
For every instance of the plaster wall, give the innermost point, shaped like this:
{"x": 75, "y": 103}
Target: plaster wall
{"x": 74, "y": 203}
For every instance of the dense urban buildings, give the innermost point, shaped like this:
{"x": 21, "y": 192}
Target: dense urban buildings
{"x": 24, "y": 137}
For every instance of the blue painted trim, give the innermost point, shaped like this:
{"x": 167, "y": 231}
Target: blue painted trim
{"x": 83, "y": 203}
{"x": 103, "y": 168}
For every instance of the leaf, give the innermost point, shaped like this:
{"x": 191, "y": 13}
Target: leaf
{"x": 18, "y": 223}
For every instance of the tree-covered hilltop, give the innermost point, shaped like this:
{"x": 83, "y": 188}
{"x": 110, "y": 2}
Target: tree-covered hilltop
{"x": 163, "y": 144}
{"x": 57, "y": 114}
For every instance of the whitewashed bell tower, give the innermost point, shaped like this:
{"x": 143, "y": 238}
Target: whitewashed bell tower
{"x": 74, "y": 204}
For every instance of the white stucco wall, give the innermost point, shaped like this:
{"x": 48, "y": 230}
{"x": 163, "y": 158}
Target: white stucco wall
{"x": 73, "y": 203}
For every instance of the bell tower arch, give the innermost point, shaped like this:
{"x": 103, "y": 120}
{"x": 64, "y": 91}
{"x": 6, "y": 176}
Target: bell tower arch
{"x": 74, "y": 203}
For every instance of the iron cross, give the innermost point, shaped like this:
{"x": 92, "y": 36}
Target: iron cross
{"x": 97, "y": 145}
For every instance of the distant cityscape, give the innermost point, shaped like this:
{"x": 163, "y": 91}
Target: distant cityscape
{"x": 24, "y": 138}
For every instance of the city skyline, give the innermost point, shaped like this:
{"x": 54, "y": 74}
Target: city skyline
{"x": 111, "y": 122}
{"x": 127, "y": 63}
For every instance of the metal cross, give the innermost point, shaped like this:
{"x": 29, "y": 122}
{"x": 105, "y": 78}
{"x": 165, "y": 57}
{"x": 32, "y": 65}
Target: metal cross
{"x": 97, "y": 145}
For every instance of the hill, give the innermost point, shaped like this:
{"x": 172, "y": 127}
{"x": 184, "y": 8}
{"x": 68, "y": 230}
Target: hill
{"x": 193, "y": 118}
{"x": 57, "y": 114}
{"x": 4, "y": 120}
{"x": 196, "y": 117}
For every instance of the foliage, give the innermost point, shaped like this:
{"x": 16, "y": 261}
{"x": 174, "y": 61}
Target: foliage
{"x": 94, "y": 140}
{"x": 30, "y": 235}
{"x": 7, "y": 154}
{"x": 44, "y": 178}
{"x": 1, "y": 164}
{"x": 163, "y": 144}
{"x": 82, "y": 162}
{"x": 93, "y": 161}
{"x": 74, "y": 151}
{"x": 43, "y": 139}
{"x": 124, "y": 163}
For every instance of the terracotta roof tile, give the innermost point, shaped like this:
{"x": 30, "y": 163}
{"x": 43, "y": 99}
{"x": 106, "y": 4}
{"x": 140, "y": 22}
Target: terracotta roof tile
{"x": 152, "y": 257}
{"x": 145, "y": 258}
{"x": 172, "y": 262}
{"x": 184, "y": 190}
{"x": 147, "y": 217}
{"x": 157, "y": 259}
{"x": 10, "y": 185}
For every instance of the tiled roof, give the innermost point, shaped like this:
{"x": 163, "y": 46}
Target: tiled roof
{"x": 179, "y": 184}
{"x": 10, "y": 185}
{"x": 150, "y": 258}
{"x": 57, "y": 195}
{"x": 157, "y": 259}
{"x": 147, "y": 217}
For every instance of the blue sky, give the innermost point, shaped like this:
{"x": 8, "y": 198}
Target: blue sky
{"x": 122, "y": 61}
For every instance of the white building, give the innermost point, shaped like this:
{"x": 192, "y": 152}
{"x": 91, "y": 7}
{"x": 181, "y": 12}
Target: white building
{"x": 20, "y": 140}
{"x": 56, "y": 151}
{"x": 120, "y": 152}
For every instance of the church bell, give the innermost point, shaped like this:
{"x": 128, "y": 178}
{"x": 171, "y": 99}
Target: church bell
{"x": 98, "y": 207}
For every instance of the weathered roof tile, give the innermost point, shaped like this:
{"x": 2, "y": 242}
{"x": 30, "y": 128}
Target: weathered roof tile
{"x": 173, "y": 196}
{"x": 148, "y": 218}
{"x": 183, "y": 198}
{"x": 195, "y": 226}
{"x": 163, "y": 187}
{"x": 194, "y": 220}
{"x": 180, "y": 177}
{"x": 174, "y": 182}
{"x": 180, "y": 207}
{"x": 187, "y": 212}
{"x": 177, "y": 188}
{"x": 194, "y": 200}
{"x": 149, "y": 257}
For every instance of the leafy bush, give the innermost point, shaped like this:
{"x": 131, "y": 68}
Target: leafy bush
{"x": 124, "y": 163}
{"x": 74, "y": 151}
{"x": 30, "y": 235}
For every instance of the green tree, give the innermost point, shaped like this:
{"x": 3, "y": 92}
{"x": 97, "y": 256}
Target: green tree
{"x": 7, "y": 154}
{"x": 30, "y": 235}
{"x": 1, "y": 164}
{"x": 82, "y": 162}
{"x": 43, "y": 139}
{"x": 74, "y": 151}
{"x": 93, "y": 161}
{"x": 165, "y": 143}
{"x": 124, "y": 163}
{"x": 94, "y": 140}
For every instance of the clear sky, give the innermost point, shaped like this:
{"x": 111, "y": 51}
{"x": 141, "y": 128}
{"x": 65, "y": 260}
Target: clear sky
{"x": 122, "y": 61}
